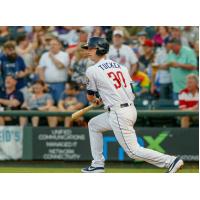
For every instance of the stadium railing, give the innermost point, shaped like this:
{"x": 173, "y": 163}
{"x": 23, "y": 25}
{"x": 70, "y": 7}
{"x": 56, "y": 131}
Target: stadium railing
{"x": 141, "y": 113}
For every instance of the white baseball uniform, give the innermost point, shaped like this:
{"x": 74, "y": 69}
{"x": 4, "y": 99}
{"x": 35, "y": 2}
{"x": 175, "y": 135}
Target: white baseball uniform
{"x": 112, "y": 82}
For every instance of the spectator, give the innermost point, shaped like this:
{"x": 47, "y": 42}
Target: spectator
{"x": 148, "y": 57}
{"x": 68, "y": 35}
{"x": 162, "y": 36}
{"x": 41, "y": 41}
{"x": 53, "y": 68}
{"x": 84, "y": 33}
{"x": 141, "y": 83}
{"x": 122, "y": 53}
{"x": 98, "y": 32}
{"x": 72, "y": 99}
{"x": 11, "y": 63}
{"x": 4, "y": 35}
{"x": 181, "y": 62}
{"x": 79, "y": 64}
{"x": 142, "y": 37}
{"x": 177, "y": 34}
{"x": 26, "y": 51}
{"x": 11, "y": 99}
{"x": 196, "y": 48}
{"x": 191, "y": 34}
{"x": 163, "y": 76}
{"x": 189, "y": 98}
{"x": 41, "y": 101}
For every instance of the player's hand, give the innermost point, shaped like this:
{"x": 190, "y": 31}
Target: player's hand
{"x": 97, "y": 102}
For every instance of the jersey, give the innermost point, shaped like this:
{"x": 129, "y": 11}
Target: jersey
{"x": 112, "y": 81}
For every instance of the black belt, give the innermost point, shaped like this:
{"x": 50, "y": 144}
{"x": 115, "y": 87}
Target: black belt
{"x": 121, "y": 106}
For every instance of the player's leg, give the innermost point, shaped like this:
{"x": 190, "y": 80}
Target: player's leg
{"x": 122, "y": 123}
{"x": 96, "y": 126}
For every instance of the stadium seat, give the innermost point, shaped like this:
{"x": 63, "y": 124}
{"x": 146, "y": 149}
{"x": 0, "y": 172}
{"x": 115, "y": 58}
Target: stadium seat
{"x": 142, "y": 104}
{"x": 164, "y": 104}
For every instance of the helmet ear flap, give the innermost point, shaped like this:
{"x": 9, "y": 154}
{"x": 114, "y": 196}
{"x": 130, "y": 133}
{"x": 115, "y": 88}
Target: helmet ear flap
{"x": 100, "y": 52}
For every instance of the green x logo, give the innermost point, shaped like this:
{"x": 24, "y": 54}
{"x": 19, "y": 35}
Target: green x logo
{"x": 155, "y": 143}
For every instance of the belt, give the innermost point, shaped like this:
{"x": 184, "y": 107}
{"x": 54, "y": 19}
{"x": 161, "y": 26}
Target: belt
{"x": 122, "y": 106}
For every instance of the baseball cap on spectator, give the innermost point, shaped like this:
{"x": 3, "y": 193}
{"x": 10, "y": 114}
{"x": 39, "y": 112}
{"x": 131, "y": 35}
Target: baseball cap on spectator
{"x": 142, "y": 33}
{"x": 118, "y": 32}
{"x": 148, "y": 43}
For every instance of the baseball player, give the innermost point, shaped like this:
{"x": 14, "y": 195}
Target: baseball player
{"x": 113, "y": 83}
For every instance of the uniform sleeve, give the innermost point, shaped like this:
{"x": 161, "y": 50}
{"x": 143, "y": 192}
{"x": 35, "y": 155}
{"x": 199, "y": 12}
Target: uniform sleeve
{"x": 132, "y": 57}
{"x": 91, "y": 83}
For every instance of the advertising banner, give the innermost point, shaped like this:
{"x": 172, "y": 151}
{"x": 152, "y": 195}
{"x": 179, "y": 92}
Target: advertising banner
{"x": 73, "y": 144}
{"x": 11, "y": 142}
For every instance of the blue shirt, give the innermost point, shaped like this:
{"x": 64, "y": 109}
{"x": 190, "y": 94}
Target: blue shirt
{"x": 14, "y": 95}
{"x": 13, "y": 67}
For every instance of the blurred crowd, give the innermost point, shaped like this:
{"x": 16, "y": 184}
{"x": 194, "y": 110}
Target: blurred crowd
{"x": 43, "y": 67}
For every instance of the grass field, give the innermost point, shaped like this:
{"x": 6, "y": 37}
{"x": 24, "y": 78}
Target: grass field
{"x": 75, "y": 167}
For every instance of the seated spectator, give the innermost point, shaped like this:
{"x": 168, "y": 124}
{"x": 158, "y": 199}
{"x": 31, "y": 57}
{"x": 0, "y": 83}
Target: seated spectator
{"x": 11, "y": 99}
{"x": 79, "y": 64}
{"x": 122, "y": 53}
{"x": 189, "y": 99}
{"x": 72, "y": 99}
{"x": 141, "y": 83}
{"x": 11, "y": 63}
{"x": 181, "y": 62}
{"x": 53, "y": 68}
{"x": 41, "y": 101}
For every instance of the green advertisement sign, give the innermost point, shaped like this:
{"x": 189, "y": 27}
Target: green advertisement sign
{"x": 73, "y": 144}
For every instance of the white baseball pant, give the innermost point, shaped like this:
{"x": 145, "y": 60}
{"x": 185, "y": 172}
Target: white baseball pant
{"x": 121, "y": 121}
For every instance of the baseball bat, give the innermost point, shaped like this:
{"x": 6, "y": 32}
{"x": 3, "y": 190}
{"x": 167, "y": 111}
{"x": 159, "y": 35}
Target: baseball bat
{"x": 81, "y": 112}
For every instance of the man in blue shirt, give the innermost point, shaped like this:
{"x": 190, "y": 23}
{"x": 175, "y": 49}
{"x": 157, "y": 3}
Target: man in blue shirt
{"x": 11, "y": 63}
{"x": 10, "y": 99}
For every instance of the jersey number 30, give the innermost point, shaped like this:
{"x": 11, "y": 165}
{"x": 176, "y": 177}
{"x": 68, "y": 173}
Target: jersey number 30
{"x": 117, "y": 78}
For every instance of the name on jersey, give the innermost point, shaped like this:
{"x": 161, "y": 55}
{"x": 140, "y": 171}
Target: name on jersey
{"x": 109, "y": 65}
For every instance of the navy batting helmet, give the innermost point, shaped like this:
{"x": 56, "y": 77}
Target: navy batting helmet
{"x": 100, "y": 44}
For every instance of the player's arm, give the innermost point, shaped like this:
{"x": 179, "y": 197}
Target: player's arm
{"x": 91, "y": 88}
{"x": 91, "y": 97}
